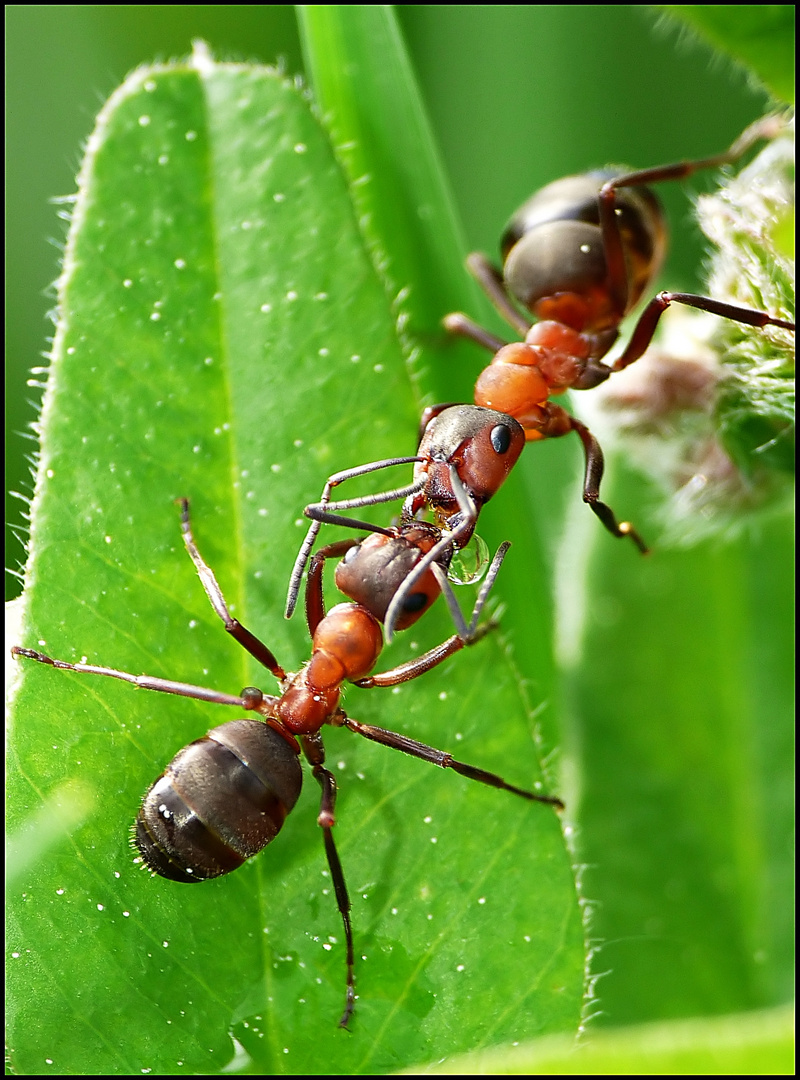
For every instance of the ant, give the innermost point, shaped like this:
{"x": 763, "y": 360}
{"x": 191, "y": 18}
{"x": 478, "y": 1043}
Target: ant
{"x": 464, "y": 456}
{"x": 579, "y": 255}
{"x": 225, "y": 797}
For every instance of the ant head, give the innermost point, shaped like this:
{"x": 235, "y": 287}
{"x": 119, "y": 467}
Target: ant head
{"x": 481, "y": 444}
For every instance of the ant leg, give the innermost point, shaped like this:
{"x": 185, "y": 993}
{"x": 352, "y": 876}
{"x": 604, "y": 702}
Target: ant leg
{"x": 250, "y": 698}
{"x": 319, "y": 513}
{"x": 461, "y": 325}
{"x": 467, "y": 635}
{"x": 763, "y": 129}
{"x": 591, "y": 487}
{"x": 473, "y": 632}
{"x": 491, "y": 281}
{"x": 240, "y": 633}
{"x": 450, "y": 540}
{"x": 648, "y": 321}
{"x": 315, "y": 753}
{"x": 324, "y": 518}
{"x": 315, "y": 602}
{"x": 444, "y": 760}
{"x": 766, "y": 127}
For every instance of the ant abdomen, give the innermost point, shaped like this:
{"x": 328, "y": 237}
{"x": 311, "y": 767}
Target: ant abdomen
{"x": 554, "y": 260}
{"x": 219, "y": 801}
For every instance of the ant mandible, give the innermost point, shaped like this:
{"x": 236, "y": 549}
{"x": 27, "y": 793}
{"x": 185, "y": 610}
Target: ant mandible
{"x": 579, "y": 255}
{"x": 225, "y": 797}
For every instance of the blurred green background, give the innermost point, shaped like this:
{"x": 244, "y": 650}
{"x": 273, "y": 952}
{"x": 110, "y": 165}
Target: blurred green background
{"x": 518, "y": 95}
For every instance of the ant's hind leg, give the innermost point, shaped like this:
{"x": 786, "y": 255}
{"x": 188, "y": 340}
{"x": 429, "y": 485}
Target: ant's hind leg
{"x": 444, "y": 760}
{"x": 315, "y": 754}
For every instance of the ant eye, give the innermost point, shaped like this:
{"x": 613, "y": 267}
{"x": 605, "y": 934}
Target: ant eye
{"x": 415, "y": 602}
{"x": 500, "y": 438}
{"x": 351, "y": 553}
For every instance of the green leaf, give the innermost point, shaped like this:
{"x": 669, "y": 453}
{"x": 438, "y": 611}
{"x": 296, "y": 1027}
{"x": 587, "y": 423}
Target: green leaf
{"x": 224, "y": 336}
{"x": 759, "y": 36}
{"x": 363, "y": 81}
{"x": 676, "y": 735}
{"x": 747, "y": 1044}
{"x": 682, "y": 681}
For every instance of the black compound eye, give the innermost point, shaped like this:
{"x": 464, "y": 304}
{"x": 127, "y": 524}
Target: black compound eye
{"x": 500, "y": 438}
{"x": 415, "y": 602}
{"x": 252, "y": 697}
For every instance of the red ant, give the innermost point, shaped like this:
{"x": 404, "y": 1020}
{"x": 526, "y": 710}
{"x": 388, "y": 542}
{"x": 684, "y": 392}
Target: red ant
{"x": 464, "y": 456}
{"x": 579, "y": 255}
{"x": 225, "y": 797}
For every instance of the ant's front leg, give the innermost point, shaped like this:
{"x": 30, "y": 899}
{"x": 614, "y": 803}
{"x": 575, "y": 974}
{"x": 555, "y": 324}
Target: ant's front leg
{"x": 320, "y": 513}
{"x": 240, "y": 633}
{"x": 451, "y": 540}
{"x": 467, "y": 635}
